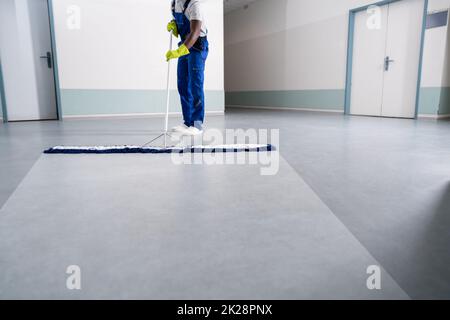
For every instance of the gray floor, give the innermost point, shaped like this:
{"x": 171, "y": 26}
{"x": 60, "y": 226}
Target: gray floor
{"x": 351, "y": 192}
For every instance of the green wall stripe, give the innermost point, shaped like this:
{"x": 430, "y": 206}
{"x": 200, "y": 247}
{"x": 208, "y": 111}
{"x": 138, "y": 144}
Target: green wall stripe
{"x": 444, "y": 108}
{"x": 429, "y": 101}
{"x": 320, "y": 99}
{"x": 78, "y": 102}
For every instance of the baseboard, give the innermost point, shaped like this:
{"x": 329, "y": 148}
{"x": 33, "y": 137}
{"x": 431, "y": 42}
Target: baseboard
{"x": 135, "y": 115}
{"x": 434, "y": 117}
{"x": 421, "y": 116}
{"x": 285, "y": 109}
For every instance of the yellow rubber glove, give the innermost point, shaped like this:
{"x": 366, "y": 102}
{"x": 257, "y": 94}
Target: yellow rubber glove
{"x": 172, "y": 27}
{"x": 175, "y": 54}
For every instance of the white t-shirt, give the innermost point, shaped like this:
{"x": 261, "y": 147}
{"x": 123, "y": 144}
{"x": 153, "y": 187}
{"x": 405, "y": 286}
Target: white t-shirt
{"x": 193, "y": 12}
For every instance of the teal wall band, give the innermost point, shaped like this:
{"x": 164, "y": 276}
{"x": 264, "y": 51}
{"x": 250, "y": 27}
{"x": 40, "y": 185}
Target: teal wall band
{"x": 82, "y": 102}
{"x": 315, "y": 99}
{"x": 444, "y": 101}
{"x": 432, "y": 100}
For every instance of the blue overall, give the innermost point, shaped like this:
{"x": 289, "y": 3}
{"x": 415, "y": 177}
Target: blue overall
{"x": 191, "y": 74}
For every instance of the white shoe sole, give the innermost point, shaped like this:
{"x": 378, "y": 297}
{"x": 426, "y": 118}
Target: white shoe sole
{"x": 189, "y": 134}
{"x": 177, "y": 130}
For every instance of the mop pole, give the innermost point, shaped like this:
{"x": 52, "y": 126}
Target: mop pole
{"x": 166, "y": 128}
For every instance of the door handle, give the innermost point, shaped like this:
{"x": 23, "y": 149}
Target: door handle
{"x": 387, "y": 63}
{"x": 48, "y": 57}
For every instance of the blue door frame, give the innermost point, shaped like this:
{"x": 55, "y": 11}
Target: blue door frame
{"x": 351, "y": 31}
{"x": 2, "y": 95}
{"x": 55, "y": 70}
{"x": 55, "y": 59}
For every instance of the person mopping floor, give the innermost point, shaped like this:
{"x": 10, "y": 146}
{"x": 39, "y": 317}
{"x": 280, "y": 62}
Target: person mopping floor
{"x": 189, "y": 24}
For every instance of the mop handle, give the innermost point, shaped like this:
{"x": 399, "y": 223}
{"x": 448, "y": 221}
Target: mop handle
{"x": 166, "y": 128}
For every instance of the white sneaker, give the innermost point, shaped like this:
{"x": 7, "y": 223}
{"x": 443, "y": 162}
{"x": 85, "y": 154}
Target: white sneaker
{"x": 181, "y": 128}
{"x": 192, "y": 131}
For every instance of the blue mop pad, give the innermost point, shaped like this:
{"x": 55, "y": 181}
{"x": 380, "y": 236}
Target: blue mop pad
{"x": 156, "y": 150}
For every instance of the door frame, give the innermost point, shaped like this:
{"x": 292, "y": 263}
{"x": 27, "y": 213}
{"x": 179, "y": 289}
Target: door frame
{"x": 350, "y": 45}
{"x": 3, "y": 95}
{"x": 55, "y": 60}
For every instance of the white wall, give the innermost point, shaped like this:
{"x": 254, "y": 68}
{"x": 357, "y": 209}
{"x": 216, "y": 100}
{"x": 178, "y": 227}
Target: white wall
{"x": 121, "y": 45}
{"x": 16, "y": 54}
{"x": 278, "y": 45}
{"x": 446, "y": 66}
{"x": 297, "y": 42}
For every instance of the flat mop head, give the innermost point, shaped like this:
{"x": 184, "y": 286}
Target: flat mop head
{"x": 156, "y": 150}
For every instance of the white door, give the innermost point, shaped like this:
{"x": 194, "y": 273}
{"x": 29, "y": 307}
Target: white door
{"x": 386, "y": 60}
{"x": 368, "y": 64}
{"x": 27, "y": 60}
{"x": 43, "y": 60}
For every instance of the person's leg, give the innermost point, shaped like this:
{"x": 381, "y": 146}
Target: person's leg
{"x": 184, "y": 89}
{"x": 197, "y": 61}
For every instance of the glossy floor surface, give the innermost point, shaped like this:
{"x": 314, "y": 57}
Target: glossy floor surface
{"x": 350, "y": 192}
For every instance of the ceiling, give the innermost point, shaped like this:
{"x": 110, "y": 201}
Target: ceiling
{"x": 231, "y": 5}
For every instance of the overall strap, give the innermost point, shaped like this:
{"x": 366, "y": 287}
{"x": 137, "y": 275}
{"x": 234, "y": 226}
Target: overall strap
{"x": 186, "y": 5}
